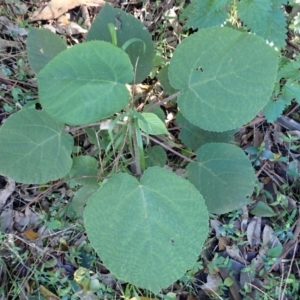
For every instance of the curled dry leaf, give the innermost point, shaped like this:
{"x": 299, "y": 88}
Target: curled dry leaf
{"x": 214, "y": 281}
{"x": 216, "y": 226}
{"x": 27, "y": 220}
{"x": 6, "y": 26}
{"x": 269, "y": 239}
{"x": 245, "y": 218}
{"x": 31, "y": 234}
{"x": 69, "y": 29}
{"x": 6, "y": 192}
{"x": 56, "y": 8}
{"x": 254, "y": 231}
{"x": 235, "y": 253}
{"x": 6, "y": 219}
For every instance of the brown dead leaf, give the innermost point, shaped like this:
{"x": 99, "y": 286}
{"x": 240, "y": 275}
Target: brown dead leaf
{"x": 56, "y": 8}
{"x": 69, "y": 29}
{"x": 223, "y": 242}
{"x": 31, "y": 234}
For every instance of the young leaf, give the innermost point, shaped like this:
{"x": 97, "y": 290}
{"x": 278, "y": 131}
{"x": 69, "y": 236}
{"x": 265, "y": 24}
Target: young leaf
{"x": 290, "y": 91}
{"x": 153, "y": 124}
{"x": 194, "y": 137}
{"x": 290, "y": 70}
{"x": 85, "y": 83}
{"x": 37, "y": 151}
{"x": 262, "y": 209}
{"x": 225, "y": 77}
{"x": 207, "y": 13}
{"x": 273, "y": 110}
{"x": 264, "y": 18}
{"x": 83, "y": 166}
{"x": 224, "y": 176}
{"x": 157, "y": 111}
{"x": 43, "y": 46}
{"x": 129, "y": 28}
{"x": 137, "y": 228}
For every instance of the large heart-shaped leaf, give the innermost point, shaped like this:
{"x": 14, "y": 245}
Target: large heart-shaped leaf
{"x": 34, "y": 148}
{"x": 129, "y": 29}
{"x": 138, "y": 228}
{"x": 85, "y": 83}
{"x": 42, "y": 46}
{"x": 223, "y": 175}
{"x": 225, "y": 77}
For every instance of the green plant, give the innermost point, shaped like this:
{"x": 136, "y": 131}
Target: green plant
{"x": 138, "y": 221}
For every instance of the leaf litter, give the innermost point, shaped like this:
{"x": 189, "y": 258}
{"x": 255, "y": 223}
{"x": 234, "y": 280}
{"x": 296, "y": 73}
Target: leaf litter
{"x": 249, "y": 241}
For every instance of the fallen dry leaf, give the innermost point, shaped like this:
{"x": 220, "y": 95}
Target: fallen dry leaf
{"x": 56, "y": 8}
{"x": 212, "y": 285}
{"x": 6, "y": 219}
{"x": 254, "y": 232}
{"x": 6, "y": 192}
{"x": 6, "y": 26}
{"x": 31, "y": 234}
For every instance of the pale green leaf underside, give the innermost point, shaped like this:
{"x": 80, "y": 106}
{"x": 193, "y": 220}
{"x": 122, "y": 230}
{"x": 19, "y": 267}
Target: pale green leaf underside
{"x": 156, "y": 156}
{"x": 37, "y": 151}
{"x": 76, "y": 207}
{"x": 154, "y": 124}
{"x": 85, "y": 83}
{"x": 194, "y": 137}
{"x": 137, "y": 226}
{"x": 42, "y": 46}
{"x": 84, "y": 170}
{"x": 224, "y": 176}
{"x": 163, "y": 77}
{"x": 225, "y": 77}
{"x": 130, "y": 28}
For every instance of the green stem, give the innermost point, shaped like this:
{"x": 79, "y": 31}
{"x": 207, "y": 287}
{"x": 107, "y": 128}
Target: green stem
{"x": 136, "y": 151}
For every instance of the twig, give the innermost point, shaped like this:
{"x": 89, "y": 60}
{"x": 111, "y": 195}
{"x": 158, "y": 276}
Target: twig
{"x": 289, "y": 272}
{"x": 74, "y": 129}
{"x": 288, "y": 246}
{"x": 169, "y": 148}
{"x": 162, "y": 101}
